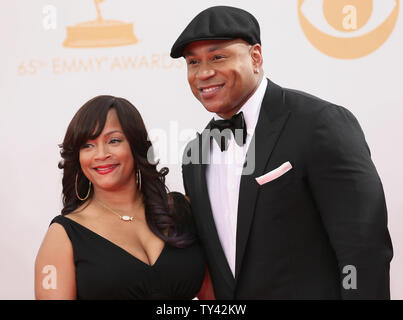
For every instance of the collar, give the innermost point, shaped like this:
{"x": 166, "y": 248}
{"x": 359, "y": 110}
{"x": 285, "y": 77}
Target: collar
{"x": 251, "y": 107}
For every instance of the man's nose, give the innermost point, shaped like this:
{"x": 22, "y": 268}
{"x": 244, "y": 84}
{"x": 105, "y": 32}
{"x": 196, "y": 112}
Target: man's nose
{"x": 205, "y": 71}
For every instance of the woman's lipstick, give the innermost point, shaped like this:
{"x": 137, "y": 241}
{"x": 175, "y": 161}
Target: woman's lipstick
{"x": 105, "y": 169}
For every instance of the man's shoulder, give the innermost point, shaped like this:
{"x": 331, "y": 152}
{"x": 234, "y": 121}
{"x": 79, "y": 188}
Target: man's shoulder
{"x": 308, "y": 109}
{"x": 302, "y": 101}
{"x": 299, "y": 102}
{"x": 311, "y": 109}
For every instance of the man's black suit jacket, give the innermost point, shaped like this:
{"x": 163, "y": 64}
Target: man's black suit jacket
{"x": 303, "y": 235}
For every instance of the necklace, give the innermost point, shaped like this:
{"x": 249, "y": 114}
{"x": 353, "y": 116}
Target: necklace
{"x": 124, "y": 218}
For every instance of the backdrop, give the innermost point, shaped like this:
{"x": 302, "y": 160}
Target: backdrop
{"x": 348, "y": 52}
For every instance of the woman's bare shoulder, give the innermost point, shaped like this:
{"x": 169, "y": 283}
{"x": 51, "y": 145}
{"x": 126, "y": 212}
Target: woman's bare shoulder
{"x": 55, "y": 262}
{"x": 80, "y": 214}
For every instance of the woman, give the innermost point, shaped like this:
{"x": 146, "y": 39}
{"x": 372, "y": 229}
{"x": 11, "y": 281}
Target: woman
{"x": 120, "y": 235}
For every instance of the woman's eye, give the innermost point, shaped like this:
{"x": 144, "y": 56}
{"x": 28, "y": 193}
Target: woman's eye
{"x": 115, "y": 141}
{"x": 87, "y": 145}
{"x": 192, "y": 61}
{"x": 218, "y": 57}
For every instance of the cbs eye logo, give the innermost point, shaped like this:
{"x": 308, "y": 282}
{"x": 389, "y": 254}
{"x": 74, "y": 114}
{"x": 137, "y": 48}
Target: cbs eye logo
{"x": 348, "y": 19}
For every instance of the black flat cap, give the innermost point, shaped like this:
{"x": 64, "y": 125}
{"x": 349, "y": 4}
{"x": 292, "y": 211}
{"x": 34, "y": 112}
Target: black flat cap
{"x": 218, "y": 23}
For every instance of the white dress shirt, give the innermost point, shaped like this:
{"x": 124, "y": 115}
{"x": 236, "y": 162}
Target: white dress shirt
{"x": 223, "y": 176}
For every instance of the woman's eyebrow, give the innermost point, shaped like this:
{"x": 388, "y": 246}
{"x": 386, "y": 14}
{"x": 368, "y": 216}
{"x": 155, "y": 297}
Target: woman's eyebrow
{"x": 110, "y": 132}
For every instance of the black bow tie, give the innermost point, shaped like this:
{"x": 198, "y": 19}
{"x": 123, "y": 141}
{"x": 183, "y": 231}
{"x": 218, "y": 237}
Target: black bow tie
{"x": 236, "y": 123}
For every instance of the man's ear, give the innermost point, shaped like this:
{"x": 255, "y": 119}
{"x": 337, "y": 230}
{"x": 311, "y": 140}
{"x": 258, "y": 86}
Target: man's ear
{"x": 256, "y": 54}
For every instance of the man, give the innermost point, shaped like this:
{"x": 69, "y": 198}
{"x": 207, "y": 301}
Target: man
{"x": 303, "y": 214}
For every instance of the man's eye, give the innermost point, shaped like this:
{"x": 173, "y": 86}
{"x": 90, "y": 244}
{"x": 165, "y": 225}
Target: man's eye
{"x": 192, "y": 61}
{"x": 218, "y": 57}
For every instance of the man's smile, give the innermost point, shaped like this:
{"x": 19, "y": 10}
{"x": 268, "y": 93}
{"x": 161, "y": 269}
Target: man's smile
{"x": 207, "y": 92}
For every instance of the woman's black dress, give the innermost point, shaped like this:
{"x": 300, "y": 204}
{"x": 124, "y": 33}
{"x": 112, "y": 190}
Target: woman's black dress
{"x": 106, "y": 271}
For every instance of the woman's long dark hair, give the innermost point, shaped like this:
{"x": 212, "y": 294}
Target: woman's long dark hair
{"x": 163, "y": 211}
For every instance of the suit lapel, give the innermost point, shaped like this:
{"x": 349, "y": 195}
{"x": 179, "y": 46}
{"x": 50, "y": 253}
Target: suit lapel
{"x": 272, "y": 118}
{"x": 207, "y": 219}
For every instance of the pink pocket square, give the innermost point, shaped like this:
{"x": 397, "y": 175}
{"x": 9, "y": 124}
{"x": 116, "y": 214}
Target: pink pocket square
{"x": 274, "y": 174}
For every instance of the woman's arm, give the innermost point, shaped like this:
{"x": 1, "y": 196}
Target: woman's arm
{"x": 54, "y": 267}
{"x": 206, "y": 292}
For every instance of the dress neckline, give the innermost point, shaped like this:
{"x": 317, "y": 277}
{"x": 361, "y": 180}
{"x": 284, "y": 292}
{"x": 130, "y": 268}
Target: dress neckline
{"x": 119, "y": 247}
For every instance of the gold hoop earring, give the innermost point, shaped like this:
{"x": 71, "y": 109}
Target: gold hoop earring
{"x": 88, "y": 193}
{"x": 138, "y": 179}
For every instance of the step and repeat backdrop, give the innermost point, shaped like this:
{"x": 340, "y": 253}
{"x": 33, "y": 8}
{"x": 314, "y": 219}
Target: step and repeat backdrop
{"x": 58, "y": 54}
